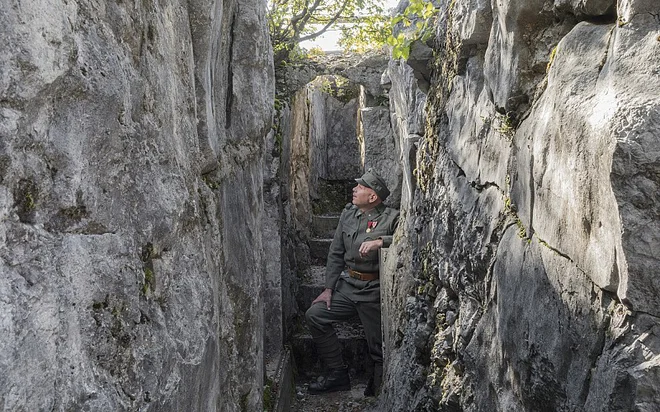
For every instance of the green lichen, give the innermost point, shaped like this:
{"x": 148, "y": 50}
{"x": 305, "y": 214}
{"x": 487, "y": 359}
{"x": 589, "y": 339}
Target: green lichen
{"x": 213, "y": 185}
{"x": 75, "y": 212}
{"x": 116, "y": 311}
{"x": 149, "y": 280}
{"x": 244, "y": 402}
{"x": 510, "y": 210}
{"x": 446, "y": 63}
{"x": 29, "y": 201}
{"x": 426, "y": 161}
{"x": 26, "y": 194}
{"x": 508, "y": 206}
{"x": 551, "y": 58}
{"x": 426, "y": 257}
{"x": 148, "y": 254}
{"x": 522, "y": 232}
{"x": 269, "y": 395}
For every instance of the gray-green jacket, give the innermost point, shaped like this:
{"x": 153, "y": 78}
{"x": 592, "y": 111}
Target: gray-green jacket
{"x": 345, "y": 246}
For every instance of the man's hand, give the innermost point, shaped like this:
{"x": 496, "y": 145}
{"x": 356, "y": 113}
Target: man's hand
{"x": 370, "y": 245}
{"x": 325, "y": 296}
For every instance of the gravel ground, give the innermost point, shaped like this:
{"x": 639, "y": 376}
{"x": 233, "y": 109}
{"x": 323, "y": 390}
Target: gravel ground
{"x": 348, "y": 401}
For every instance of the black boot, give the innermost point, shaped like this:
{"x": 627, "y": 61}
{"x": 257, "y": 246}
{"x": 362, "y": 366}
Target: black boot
{"x": 335, "y": 380}
{"x": 375, "y": 380}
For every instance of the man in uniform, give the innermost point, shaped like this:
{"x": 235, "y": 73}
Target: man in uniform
{"x": 352, "y": 285}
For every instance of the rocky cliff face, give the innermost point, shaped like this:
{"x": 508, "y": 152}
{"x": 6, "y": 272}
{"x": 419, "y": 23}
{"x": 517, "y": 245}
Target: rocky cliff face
{"x": 130, "y": 203}
{"x": 525, "y": 275}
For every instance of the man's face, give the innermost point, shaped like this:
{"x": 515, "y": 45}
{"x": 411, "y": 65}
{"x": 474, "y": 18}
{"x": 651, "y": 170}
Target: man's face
{"x": 363, "y": 196}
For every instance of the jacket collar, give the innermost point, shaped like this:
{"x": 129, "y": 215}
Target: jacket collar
{"x": 375, "y": 212}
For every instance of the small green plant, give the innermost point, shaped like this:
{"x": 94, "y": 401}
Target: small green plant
{"x": 505, "y": 126}
{"x": 417, "y": 21}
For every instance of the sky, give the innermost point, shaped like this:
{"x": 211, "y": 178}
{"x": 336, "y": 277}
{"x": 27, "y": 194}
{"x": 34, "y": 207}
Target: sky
{"x": 328, "y": 40}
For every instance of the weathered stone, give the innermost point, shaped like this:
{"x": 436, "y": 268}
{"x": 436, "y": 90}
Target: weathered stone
{"x": 632, "y": 120}
{"x": 342, "y": 148}
{"x": 380, "y": 149}
{"x": 364, "y": 69}
{"x": 276, "y": 308}
{"x": 522, "y": 276}
{"x": 587, "y": 7}
{"x": 474, "y": 19}
{"x": 406, "y": 101}
{"x": 627, "y": 10}
{"x": 561, "y": 188}
{"x": 321, "y": 145}
{"x": 128, "y": 280}
{"x": 512, "y": 67}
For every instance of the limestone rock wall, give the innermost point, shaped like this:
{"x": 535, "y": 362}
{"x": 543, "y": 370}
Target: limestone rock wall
{"x": 379, "y": 148}
{"x": 320, "y": 142}
{"x": 131, "y": 146}
{"x": 524, "y": 278}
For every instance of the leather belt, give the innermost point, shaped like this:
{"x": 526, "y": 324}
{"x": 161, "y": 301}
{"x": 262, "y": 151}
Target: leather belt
{"x": 366, "y": 276}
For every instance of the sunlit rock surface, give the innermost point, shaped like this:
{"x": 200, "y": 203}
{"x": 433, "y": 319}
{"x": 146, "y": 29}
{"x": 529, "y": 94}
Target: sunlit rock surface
{"x": 525, "y": 275}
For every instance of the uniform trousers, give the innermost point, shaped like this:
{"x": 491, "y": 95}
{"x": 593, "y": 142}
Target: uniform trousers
{"x": 320, "y": 320}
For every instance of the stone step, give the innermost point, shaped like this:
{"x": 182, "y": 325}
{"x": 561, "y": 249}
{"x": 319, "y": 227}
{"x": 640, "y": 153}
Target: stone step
{"x": 311, "y": 287}
{"x": 324, "y": 226}
{"x": 318, "y": 250}
{"x": 354, "y": 349}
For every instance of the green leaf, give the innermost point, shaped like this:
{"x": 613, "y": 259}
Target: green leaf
{"x": 405, "y": 53}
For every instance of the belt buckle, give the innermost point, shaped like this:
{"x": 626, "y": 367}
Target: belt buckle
{"x": 355, "y": 274}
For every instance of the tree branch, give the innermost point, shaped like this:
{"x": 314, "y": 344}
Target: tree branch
{"x": 325, "y": 28}
{"x": 309, "y": 15}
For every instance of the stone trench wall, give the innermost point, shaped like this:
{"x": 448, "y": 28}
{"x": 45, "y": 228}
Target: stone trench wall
{"x": 131, "y": 146}
{"x": 524, "y": 277}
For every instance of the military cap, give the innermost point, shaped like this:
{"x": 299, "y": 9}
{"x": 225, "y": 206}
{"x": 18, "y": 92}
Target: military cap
{"x": 372, "y": 180}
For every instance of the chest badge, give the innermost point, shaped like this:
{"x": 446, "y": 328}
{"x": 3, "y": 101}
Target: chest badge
{"x": 371, "y": 225}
